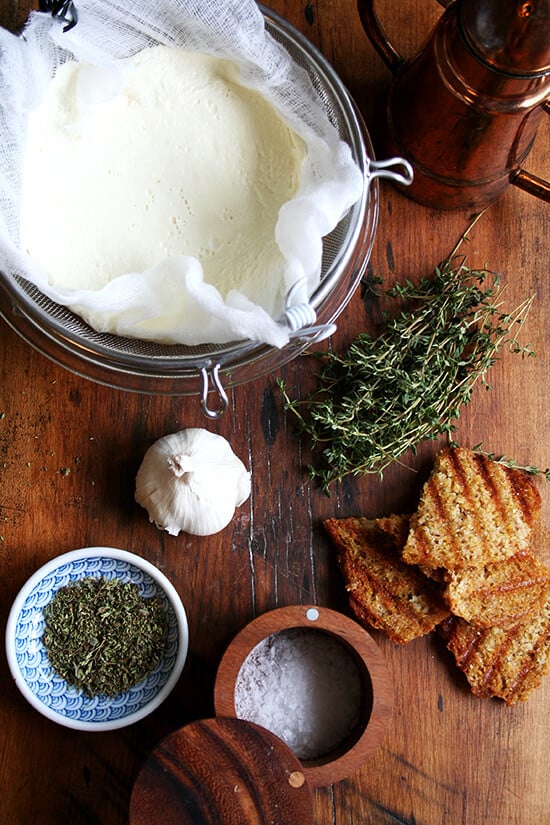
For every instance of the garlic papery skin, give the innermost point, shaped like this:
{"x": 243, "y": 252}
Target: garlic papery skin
{"x": 191, "y": 482}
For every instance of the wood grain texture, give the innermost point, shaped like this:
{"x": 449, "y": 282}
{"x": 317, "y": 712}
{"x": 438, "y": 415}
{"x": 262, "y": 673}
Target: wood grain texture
{"x": 221, "y": 772}
{"x": 449, "y": 758}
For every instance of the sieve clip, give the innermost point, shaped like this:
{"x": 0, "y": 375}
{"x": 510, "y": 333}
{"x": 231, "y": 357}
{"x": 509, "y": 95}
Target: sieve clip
{"x": 314, "y": 333}
{"x": 212, "y": 375}
{"x": 63, "y": 10}
{"x": 300, "y": 319}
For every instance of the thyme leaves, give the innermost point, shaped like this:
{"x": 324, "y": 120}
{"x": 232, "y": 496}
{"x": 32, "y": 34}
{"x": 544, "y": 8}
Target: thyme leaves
{"x": 530, "y": 469}
{"x": 384, "y": 395}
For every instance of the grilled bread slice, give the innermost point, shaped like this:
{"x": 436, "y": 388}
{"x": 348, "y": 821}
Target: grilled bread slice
{"x": 384, "y": 592}
{"x": 508, "y": 663}
{"x": 499, "y": 594}
{"x": 473, "y": 511}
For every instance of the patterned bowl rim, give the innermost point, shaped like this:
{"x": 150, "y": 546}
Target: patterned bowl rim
{"x": 80, "y": 555}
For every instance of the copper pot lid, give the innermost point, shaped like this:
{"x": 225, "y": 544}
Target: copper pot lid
{"x": 513, "y": 37}
{"x": 221, "y": 772}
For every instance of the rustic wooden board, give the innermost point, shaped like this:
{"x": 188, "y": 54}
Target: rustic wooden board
{"x": 69, "y": 450}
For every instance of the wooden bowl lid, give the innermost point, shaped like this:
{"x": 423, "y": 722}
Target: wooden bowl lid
{"x": 221, "y": 772}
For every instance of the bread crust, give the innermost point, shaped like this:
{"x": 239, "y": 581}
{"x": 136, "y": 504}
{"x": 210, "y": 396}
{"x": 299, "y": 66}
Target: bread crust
{"x": 500, "y": 594}
{"x": 508, "y": 663}
{"x": 473, "y": 511}
{"x": 463, "y": 563}
{"x": 384, "y": 592}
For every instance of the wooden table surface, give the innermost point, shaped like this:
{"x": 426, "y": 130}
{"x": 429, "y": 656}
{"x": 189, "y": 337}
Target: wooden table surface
{"x": 448, "y": 757}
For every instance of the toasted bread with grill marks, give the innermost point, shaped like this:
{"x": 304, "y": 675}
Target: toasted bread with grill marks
{"x": 508, "y": 663}
{"x": 384, "y": 592}
{"x": 473, "y": 511}
{"x": 499, "y": 594}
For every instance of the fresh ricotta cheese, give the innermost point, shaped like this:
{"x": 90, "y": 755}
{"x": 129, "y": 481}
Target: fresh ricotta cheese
{"x": 181, "y": 160}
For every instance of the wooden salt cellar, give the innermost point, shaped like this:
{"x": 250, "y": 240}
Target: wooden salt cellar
{"x": 227, "y": 771}
{"x": 375, "y": 714}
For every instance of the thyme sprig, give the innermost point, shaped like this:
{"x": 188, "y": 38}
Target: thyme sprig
{"x": 384, "y": 395}
{"x": 531, "y": 469}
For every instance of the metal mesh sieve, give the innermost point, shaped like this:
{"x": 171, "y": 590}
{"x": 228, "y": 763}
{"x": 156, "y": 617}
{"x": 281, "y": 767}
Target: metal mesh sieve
{"x": 145, "y": 366}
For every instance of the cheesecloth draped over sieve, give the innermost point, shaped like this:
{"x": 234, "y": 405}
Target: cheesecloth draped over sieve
{"x": 111, "y": 30}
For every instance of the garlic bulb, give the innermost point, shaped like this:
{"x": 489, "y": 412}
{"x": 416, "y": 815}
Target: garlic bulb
{"x": 191, "y": 481}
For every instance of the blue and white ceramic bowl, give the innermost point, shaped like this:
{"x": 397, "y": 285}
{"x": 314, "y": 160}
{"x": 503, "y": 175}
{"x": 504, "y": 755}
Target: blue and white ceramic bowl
{"x": 28, "y": 660}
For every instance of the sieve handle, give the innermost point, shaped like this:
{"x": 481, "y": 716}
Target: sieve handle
{"x": 314, "y": 334}
{"x": 397, "y": 170}
{"x": 212, "y": 376}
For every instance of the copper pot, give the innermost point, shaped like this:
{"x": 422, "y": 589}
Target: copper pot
{"x": 465, "y": 110}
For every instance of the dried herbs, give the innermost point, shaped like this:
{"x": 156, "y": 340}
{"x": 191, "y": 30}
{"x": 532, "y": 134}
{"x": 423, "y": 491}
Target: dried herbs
{"x": 385, "y": 395}
{"x": 102, "y": 636}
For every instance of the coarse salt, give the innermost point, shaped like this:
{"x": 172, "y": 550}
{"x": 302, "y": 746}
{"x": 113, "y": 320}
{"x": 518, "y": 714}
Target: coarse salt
{"x": 304, "y": 686}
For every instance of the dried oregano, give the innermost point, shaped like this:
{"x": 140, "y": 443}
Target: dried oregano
{"x": 102, "y": 636}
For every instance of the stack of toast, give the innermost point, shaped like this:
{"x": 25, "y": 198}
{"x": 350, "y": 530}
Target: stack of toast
{"x": 463, "y": 564}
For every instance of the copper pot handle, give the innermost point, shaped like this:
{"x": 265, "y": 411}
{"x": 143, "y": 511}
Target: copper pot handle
{"x": 377, "y": 35}
{"x": 532, "y": 183}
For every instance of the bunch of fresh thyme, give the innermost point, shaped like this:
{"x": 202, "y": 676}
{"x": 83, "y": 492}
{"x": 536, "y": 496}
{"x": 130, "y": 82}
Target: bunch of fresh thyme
{"x": 385, "y": 395}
